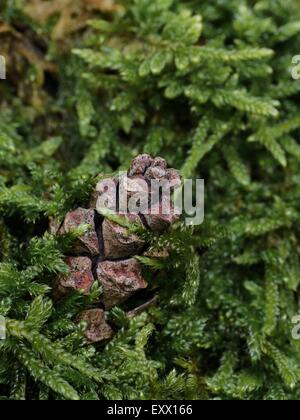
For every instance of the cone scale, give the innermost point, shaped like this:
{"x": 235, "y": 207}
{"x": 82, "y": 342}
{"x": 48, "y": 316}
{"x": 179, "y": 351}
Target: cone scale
{"x": 106, "y": 252}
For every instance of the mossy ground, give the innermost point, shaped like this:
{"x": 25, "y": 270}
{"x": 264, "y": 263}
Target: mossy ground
{"x": 207, "y": 85}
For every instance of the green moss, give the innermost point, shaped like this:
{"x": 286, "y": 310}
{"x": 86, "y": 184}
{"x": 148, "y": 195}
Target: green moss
{"x": 207, "y": 85}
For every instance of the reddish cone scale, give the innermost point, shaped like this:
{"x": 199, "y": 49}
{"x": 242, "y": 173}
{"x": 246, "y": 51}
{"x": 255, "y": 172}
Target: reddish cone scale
{"x": 87, "y": 243}
{"x": 118, "y": 243}
{"x": 97, "y": 328}
{"x": 158, "y": 220}
{"x": 120, "y": 280}
{"x": 80, "y": 277}
{"x": 140, "y": 164}
{"x": 106, "y": 251}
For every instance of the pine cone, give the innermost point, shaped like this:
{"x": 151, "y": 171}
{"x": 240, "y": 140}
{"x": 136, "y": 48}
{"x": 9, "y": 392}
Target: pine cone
{"x": 106, "y": 251}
